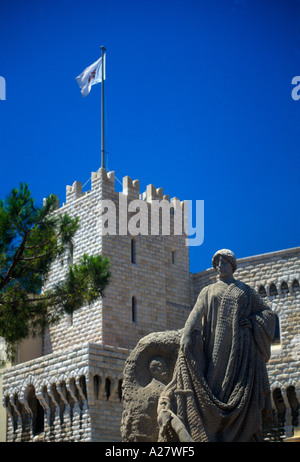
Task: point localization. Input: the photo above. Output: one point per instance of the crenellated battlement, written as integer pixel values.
(74, 192)
(155, 194)
(131, 187)
(105, 181)
(103, 175)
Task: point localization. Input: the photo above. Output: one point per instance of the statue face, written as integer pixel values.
(223, 267)
(159, 369)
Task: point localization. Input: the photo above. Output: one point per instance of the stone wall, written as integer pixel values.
(158, 279)
(69, 396)
(85, 324)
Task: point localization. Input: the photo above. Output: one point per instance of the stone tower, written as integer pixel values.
(150, 283)
(73, 391)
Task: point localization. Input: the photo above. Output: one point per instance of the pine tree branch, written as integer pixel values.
(50, 298)
(38, 246)
(15, 261)
(37, 257)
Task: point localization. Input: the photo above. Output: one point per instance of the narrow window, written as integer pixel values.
(82, 383)
(173, 257)
(133, 309)
(37, 411)
(262, 291)
(280, 406)
(107, 387)
(276, 338)
(294, 404)
(284, 288)
(273, 290)
(39, 419)
(295, 286)
(97, 382)
(133, 251)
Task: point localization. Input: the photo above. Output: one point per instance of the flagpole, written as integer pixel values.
(102, 112)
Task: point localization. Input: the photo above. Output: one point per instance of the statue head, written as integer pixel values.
(159, 369)
(224, 255)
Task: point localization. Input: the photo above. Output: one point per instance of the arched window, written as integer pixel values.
(294, 404)
(107, 387)
(82, 383)
(12, 410)
(37, 411)
(295, 286)
(276, 338)
(97, 383)
(133, 251)
(280, 406)
(262, 291)
(284, 288)
(133, 309)
(273, 290)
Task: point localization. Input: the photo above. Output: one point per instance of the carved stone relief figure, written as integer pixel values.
(147, 371)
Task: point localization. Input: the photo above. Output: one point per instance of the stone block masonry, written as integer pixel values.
(73, 391)
(155, 280)
(70, 396)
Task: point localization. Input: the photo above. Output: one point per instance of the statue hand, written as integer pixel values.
(163, 404)
(163, 419)
(185, 341)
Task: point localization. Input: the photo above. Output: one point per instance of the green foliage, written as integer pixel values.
(31, 239)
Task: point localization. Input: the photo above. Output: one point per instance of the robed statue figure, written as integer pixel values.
(220, 389)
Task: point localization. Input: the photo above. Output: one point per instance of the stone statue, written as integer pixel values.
(220, 389)
(207, 382)
(148, 369)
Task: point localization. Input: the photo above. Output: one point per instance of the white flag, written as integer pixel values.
(91, 75)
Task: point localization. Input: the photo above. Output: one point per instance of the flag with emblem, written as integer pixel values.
(91, 75)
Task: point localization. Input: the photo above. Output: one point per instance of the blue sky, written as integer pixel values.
(198, 101)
